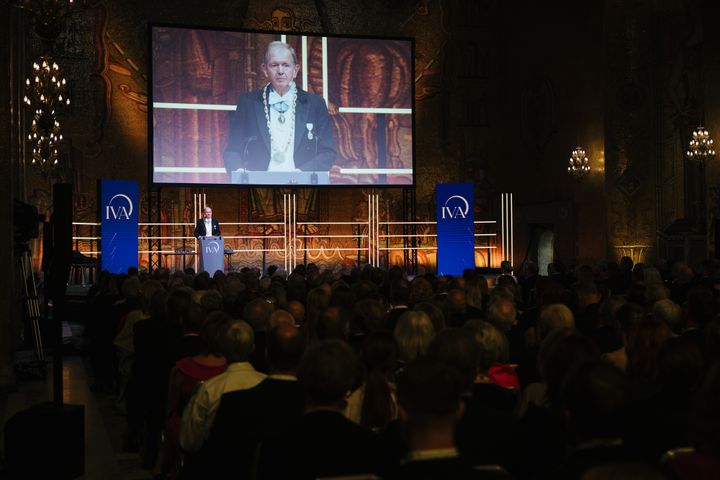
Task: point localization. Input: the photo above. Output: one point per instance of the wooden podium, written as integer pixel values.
(212, 250)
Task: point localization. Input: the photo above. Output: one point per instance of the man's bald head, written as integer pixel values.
(280, 317)
(297, 310)
(285, 347)
(502, 314)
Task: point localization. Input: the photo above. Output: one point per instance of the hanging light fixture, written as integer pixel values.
(45, 93)
(700, 148)
(579, 163)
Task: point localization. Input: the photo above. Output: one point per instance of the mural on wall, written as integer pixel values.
(630, 143)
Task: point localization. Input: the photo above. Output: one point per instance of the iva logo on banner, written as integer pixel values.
(120, 207)
(212, 247)
(456, 206)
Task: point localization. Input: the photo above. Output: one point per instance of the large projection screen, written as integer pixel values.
(213, 120)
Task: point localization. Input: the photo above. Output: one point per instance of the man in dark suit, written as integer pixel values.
(206, 226)
(280, 127)
(247, 417)
(323, 442)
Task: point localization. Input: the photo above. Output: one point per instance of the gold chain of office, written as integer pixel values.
(276, 154)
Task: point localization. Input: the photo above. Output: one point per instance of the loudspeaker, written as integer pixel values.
(46, 441)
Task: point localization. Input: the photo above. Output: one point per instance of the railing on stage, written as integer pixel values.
(371, 240)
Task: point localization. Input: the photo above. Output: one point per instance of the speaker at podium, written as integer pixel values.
(212, 249)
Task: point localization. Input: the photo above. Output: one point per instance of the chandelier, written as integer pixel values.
(45, 93)
(701, 146)
(579, 163)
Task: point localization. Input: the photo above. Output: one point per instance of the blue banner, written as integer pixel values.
(119, 214)
(455, 228)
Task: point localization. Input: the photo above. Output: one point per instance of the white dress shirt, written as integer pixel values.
(208, 227)
(199, 414)
(283, 134)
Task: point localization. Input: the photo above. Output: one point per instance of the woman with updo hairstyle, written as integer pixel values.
(186, 374)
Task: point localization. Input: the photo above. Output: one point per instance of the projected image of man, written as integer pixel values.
(281, 127)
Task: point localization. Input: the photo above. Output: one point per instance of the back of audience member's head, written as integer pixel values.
(655, 292)
(493, 345)
(506, 267)
(473, 295)
(502, 314)
(334, 322)
(421, 290)
(317, 300)
(285, 346)
(177, 303)
(256, 313)
(329, 371)
(554, 293)
(130, 288)
(158, 306)
(595, 398)
(429, 395)
(365, 289)
(457, 348)
(433, 311)
(211, 301)
(610, 308)
(413, 333)
(212, 333)
(297, 310)
(237, 341)
(680, 365)
(147, 290)
(560, 354)
(399, 293)
(379, 358)
(629, 317)
(626, 264)
(370, 315)
(668, 312)
(342, 295)
(587, 294)
(280, 317)
(193, 318)
(650, 336)
(652, 276)
(554, 317)
(455, 301)
(201, 281)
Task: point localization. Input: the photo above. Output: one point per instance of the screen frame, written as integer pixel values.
(150, 124)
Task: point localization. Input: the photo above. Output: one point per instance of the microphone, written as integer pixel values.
(245, 149)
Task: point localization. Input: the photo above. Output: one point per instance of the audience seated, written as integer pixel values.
(540, 374)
